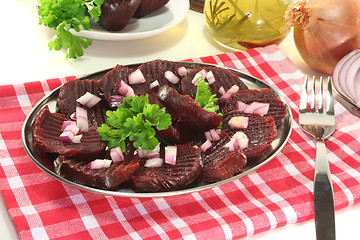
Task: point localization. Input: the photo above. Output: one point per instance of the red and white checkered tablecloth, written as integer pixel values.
(277, 194)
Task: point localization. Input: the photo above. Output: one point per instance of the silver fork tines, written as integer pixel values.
(320, 124)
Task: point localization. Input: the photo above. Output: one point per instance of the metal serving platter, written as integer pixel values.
(45, 161)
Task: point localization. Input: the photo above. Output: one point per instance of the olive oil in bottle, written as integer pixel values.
(242, 24)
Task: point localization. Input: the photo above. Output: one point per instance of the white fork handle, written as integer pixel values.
(323, 196)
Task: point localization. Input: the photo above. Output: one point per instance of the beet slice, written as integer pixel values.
(223, 78)
(116, 14)
(76, 88)
(187, 111)
(261, 132)
(104, 178)
(108, 85)
(148, 6)
(277, 109)
(170, 177)
(155, 70)
(220, 163)
(47, 130)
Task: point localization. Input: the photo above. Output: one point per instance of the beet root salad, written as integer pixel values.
(160, 127)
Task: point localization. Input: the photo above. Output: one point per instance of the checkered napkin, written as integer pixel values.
(277, 194)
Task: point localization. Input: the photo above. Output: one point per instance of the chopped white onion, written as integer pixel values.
(228, 93)
(88, 99)
(148, 153)
(65, 124)
(232, 144)
(116, 154)
(73, 116)
(170, 154)
(239, 122)
(240, 106)
(67, 136)
(77, 138)
(257, 108)
(72, 127)
(136, 77)
(199, 75)
(206, 145)
(99, 163)
(171, 77)
(215, 134)
(182, 71)
(210, 77)
(125, 90)
(116, 100)
(82, 119)
(154, 162)
(242, 139)
(154, 84)
(222, 90)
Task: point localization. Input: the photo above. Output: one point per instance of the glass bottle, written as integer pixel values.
(243, 24)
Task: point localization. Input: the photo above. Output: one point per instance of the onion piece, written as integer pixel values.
(325, 31)
(215, 134)
(154, 162)
(257, 108)
(73, 116)
(228, 93)
(136, 77)
(67, 136)
(88, 99)
(206, 145)
(240, 106)
(66, 123)
(116, 154)
(182, 71)
(239, 122)
(201, 75)
(116, 100)
(210, 77)
(125, 90)
(242, 139)
(346, 77)
(99, 163)
(171, 77)
(222, 90)
(170, 154)
(154, 84)
(82, 119)
(72, 127)
(77, 138)
(232, 144)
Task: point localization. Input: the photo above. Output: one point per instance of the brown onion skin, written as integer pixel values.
(326, 39)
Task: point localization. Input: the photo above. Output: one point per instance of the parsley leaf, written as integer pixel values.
(67, 15)
(204, 97)
(135, 120)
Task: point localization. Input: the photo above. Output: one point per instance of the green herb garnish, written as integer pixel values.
(135, 119)
(204, 97)
(64, 15)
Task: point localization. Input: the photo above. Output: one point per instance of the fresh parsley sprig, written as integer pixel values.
(204, 98)
(64, 15)
(135, 120)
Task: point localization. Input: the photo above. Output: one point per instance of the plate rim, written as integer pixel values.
(118, 193)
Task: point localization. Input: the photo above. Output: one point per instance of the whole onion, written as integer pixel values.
(325, 30)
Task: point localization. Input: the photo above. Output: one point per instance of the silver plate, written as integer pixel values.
(44, 161)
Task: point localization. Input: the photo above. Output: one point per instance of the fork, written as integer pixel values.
(320, 124)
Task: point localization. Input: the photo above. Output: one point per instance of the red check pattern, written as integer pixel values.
(277, 194)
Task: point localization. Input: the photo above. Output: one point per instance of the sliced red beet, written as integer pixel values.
(170, 177)
(116, 14)
(108, 85)
(104, 178)
(155, 70)
(261, 132)
(74, 89)
(277, 109)
(187, 111)
(47, 130)
(223, 78)
(148, 6)
(219, 162)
